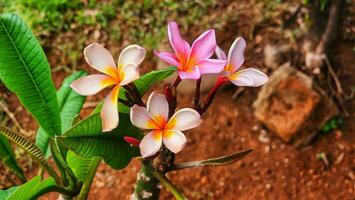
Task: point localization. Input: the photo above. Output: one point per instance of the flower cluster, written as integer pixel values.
(191, 62)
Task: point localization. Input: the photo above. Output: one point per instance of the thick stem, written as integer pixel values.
(147, 187)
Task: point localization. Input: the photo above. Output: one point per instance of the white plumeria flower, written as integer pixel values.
(247, 77)
(127, 71)
(163, 130)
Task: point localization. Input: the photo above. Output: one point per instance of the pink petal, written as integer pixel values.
(133, 54)
(174, 140)
(249, 77)
(158, 108)
(220, 53)
(211, 66)
(129, 73)
(99, 58)
(180, 46)
(168, 58)
(184, 119)
(204, 46)
(236, 53)
(193, 74)
(150, 143)
(109, 112)
(141, 118)
(92, 84)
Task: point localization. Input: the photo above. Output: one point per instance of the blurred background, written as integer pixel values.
(301, 123)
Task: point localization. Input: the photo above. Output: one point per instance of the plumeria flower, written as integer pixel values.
(114, 76)
(247, 77)
(163, 130)
(192, 61)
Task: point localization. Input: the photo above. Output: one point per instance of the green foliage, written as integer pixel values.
(87, 140)
(70, 104)
(333, 124)
(79, 165)
(31, 188)
(24, 69)
(5, 193)
(8, 157)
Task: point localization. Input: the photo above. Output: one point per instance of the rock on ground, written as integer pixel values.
(293, 106)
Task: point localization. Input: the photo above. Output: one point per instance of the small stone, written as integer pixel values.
(291, 105)
(263, 137)
(204, 180)
(258, 39)
(267, 149)
(255, 128)
(274, 56)
(268, 186)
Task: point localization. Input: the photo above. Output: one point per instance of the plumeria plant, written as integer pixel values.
(122, 126)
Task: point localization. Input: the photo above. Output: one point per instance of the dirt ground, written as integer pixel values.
(274, 170)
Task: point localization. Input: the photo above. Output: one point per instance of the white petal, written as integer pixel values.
(158, 108)
(109, 112)
(131, 54)
(129, 73)
(174, 140)
(141, 118)
(220, 53)
(249, 77)
(99, 58)
(92, 84)
(184, 119)
(150, 144)
(236, 53)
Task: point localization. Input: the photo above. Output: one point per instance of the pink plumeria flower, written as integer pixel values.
(247, 77)
(192, 61)
(114, 76)
(163, 130)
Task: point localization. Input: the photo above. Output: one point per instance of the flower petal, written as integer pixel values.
(158, 108)
(109, 112)
(174, 140)
(204, 46)
(180, 46)
(194, 73)
(99, 58)
(184, 119)
(236, 54)
(92, 84)
(141, 118)
(211, 66)
(150, 143)
(168, 58)
(220, 53)
(129, 73)
(249, 77)
(132, 54)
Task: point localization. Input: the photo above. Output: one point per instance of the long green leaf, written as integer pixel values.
(31, 188)
(70, 104)
(223, 160)
(24, 69)
(143, 84)
(87, 140)
(29, 147)
(8, 157)
(6, 193)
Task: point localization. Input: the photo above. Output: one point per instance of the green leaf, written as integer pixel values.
(29, 147)
(5, 193)
(70, 104)
(143, 84)
(31, 188)
(24, 69)
(223, 160)
(79, 165)
(8, 157)
(87, 140)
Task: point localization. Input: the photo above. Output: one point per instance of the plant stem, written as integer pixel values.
(197, 94)
(146, 184)
(170, 186)
(85, 189)
(210, 96)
